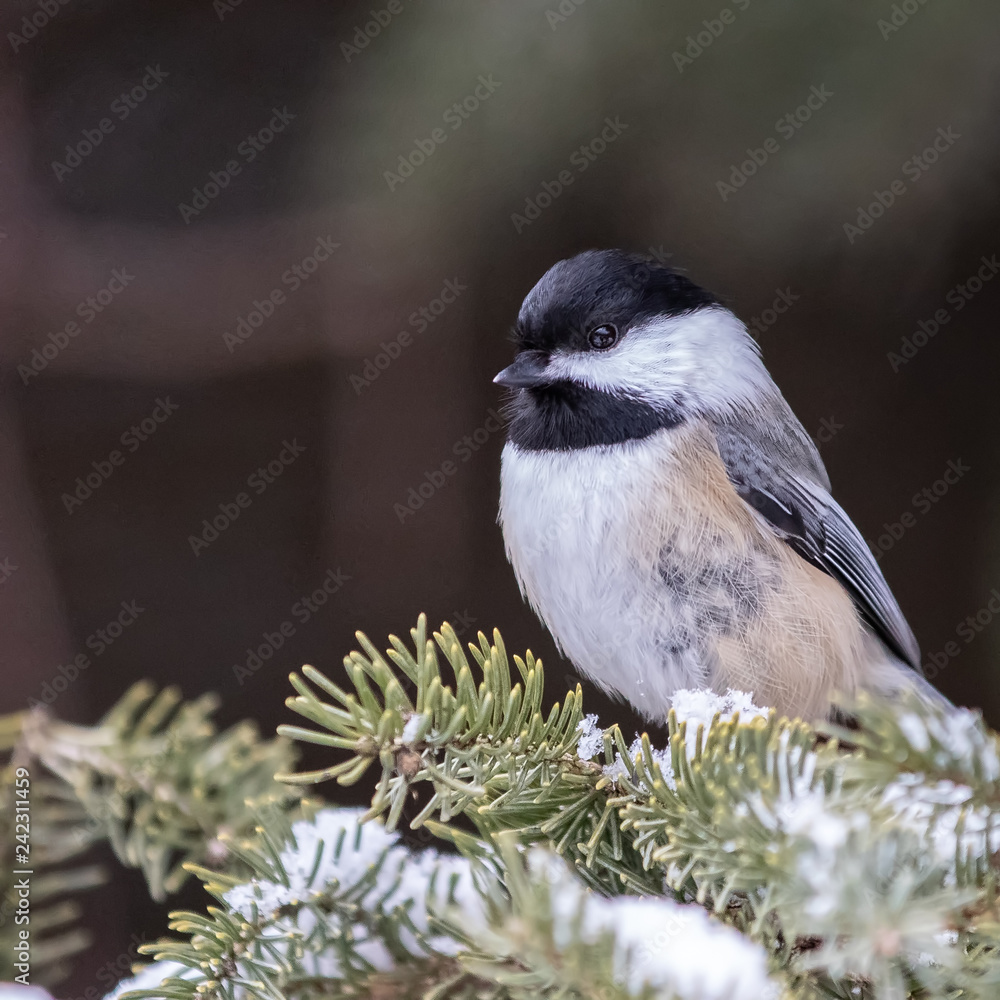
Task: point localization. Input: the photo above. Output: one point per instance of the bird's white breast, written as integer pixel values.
(652, 575)
(583, 539)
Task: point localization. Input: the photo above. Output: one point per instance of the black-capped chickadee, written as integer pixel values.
(666, 514)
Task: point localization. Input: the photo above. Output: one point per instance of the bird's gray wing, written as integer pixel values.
(786, 484)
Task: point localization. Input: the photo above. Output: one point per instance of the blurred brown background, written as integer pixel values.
(276, 125)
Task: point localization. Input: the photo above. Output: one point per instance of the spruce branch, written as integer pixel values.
(753, 854)
(42, 829)
(567, 941)
(344, 911)
(341, 910)
(862, 870)
(811, 847)
(487, 748)
(940, 770)
(158, 780)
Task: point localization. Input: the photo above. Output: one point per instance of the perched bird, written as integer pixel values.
(666, 514)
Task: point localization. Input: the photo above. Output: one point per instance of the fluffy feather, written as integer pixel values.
(666, 514)
(652, 575)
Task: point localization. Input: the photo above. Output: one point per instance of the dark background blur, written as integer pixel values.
(692, 100)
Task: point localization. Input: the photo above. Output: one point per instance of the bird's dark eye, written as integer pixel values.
(603, 337)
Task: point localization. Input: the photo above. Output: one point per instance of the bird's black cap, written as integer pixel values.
(598, 287)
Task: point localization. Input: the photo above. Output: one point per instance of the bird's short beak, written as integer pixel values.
(528, 370)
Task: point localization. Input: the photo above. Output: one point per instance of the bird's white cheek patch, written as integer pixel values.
(636, 368)
(706, 355)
